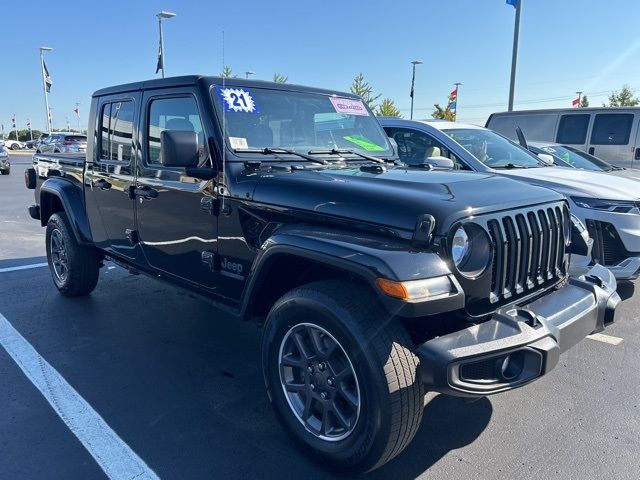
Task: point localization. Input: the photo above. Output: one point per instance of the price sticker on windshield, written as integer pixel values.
(237, 100)
(349, 106)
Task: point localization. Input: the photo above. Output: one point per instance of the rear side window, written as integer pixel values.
(612, 129)
(573, 129)
(180, 113)
(75, 138)
(116, 131)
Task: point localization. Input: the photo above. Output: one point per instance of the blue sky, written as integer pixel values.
(565, 45)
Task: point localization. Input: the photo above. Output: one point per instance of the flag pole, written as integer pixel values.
(30, 130)
(15, 126)
(78, 115)
(455, 115)
(514, 56)
(44, 87)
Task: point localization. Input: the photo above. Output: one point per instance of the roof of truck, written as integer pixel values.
(190, 80)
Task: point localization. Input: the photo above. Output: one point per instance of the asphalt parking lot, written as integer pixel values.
(179, 384)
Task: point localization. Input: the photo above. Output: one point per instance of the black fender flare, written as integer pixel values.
(365, 256)
(71, 197)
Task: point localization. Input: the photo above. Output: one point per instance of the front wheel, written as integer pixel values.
(74, 267)
(15, 146)
(341, 376)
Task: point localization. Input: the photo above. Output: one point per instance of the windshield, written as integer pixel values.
(264, 118)
(492, 149)
(576, 158)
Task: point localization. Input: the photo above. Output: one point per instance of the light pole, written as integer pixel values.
(413, 83)
(579, 99)
(514, 55)
(160, 16)
(248, 73)
(46, 85)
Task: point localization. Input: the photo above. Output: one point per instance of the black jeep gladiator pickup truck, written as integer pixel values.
(287, 205)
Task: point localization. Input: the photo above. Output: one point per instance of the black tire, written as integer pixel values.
(391, 396)
(15, 146)
(81, 264)
(5, 172)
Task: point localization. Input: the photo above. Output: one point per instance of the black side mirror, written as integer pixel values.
(179, 148)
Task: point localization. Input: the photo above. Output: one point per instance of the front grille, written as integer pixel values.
(608, 249)
(529, 250)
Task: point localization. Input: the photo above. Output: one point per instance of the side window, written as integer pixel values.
(415, 146)
(180, 113)
(116, 131)
(611, 129)
(573, 129)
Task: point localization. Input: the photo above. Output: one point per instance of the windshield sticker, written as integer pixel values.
(237, 100)
(349, 106)
(364, 143)
(238, 142)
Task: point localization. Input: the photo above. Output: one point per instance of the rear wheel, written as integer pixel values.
(341, 376)
(74, 267)
(5, 172)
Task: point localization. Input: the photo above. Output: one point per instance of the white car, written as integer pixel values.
(608, 205)
(13, 145)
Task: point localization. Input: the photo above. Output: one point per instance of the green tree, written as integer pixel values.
(227, 72)
(362, 88)
(278, 78)
(623, 98)
(443, 113)
(584, 102)
(387, 108)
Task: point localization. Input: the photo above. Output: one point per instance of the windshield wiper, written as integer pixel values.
(343, 151)
(275, 151)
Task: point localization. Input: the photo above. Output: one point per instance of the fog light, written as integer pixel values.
(416, 289)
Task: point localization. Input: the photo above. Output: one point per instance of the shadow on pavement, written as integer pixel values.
(448, 423)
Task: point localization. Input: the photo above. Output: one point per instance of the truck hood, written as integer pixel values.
(582, 183)
(398, 196)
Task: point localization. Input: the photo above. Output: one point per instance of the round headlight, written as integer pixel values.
(471, 250)
(460, 247)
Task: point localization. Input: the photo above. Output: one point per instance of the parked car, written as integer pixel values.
(609, 206)
(30, 144)
(5, 162)
(611, 134)
(566, 156)
(13, 145)
(63, 143)
(373, 281)
(37, 142)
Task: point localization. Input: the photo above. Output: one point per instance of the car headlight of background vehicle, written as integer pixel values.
(471, 250)
(616, 206)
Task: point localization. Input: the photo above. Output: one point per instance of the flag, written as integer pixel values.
(575, 102)
(77, 110)
(47, 78)
(513, 3)
(454, 94)
(13, 120)
(452, 105)
(160, 65)
(29, 124)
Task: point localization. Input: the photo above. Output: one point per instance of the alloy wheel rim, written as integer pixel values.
(59, 259)
(319, 382)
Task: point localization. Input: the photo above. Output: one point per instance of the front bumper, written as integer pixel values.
(519, 344)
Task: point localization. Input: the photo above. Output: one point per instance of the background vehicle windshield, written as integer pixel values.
(492, 149)
(259, 118)
(577, 159)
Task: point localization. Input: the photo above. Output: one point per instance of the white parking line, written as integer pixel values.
(601, 337)
(112, 454)
(23, 267)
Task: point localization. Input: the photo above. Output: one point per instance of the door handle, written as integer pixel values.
(102, 184)
(637, 154)
(591, 150)
(145, 192)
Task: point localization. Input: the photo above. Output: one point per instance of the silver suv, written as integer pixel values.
(63, 143)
